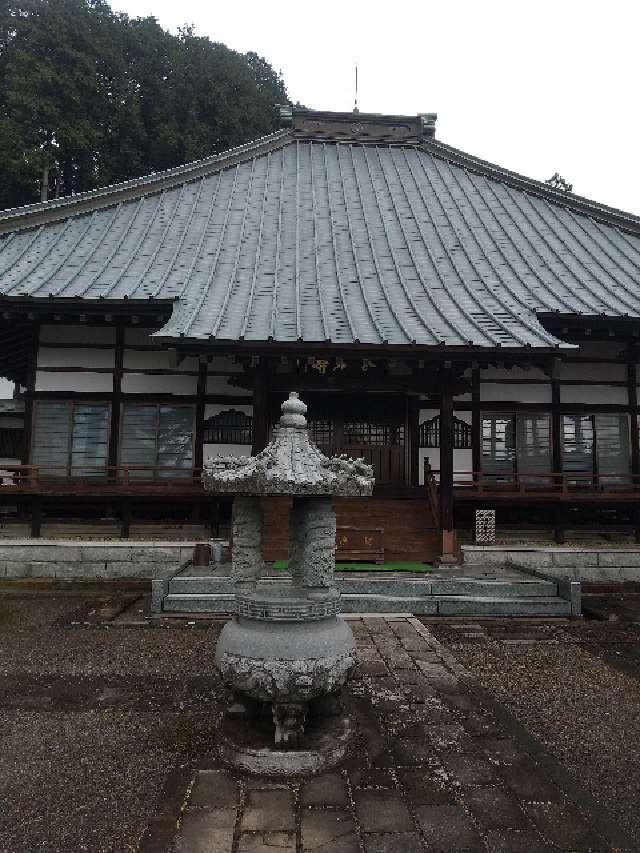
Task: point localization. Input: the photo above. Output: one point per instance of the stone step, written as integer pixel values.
(443, 605)
(395, 586)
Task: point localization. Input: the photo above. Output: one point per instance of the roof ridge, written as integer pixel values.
(604, 213)
(50, 211)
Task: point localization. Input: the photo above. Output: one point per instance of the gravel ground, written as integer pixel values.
(91, 721)
(571, 692)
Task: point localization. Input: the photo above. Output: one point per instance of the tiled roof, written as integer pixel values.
(303, 240)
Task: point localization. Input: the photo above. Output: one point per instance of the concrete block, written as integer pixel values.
(159, 589)
(387, 604)
(629, 573)
(157, 554)
(619, 559)
(96, 553)
(575, 559)
(571, 591)
(133, 569)
(78, 570)
(40, 553)
(542, 607)
(533, 558)
(497, 589)
(28, 569)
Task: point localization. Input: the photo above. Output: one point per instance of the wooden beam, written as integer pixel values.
(116, 400)
(556, 416)
(28, 403)
(413, 439)
(200, 404)
(446, 465)
(260, 409)
(632, 385)
(476, 422)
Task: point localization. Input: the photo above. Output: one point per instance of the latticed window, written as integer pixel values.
(373, 433)
(321, 431)
(229, 427)
(596, 445)
(157, 440)
(70, 438)
(11, 443)
(430, 433)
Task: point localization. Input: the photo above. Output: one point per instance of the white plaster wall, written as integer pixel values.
(515, 393)
(593, 372)
(139, 383)
(593, 394)
(6, 389)
(157, 360)
(220, 385)
(92, 382)
(139, 336)
(215, 408)
(514, 373)
(87, 335)
(462, 459)
(49, 356)
(225, 362)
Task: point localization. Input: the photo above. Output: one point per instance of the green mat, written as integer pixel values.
(389, 566)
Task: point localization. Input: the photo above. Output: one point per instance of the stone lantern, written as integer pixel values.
(286, 648)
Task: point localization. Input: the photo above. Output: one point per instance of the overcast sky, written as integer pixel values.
(537, 87)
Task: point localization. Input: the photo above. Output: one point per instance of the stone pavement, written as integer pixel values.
(438, 767)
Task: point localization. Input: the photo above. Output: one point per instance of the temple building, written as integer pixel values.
(470, 332)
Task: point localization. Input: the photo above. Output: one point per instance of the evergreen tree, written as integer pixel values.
(89, 97)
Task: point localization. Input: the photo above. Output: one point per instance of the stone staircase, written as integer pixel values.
(501, 592)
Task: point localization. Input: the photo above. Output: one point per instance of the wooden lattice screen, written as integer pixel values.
(430, 433)
(11, 443)
(229, 427)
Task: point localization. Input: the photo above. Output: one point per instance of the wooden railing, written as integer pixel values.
(562, 484)
(83, 478)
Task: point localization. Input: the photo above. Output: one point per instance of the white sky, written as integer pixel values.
(536, 87)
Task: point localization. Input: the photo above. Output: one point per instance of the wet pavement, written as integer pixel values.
(107, 725)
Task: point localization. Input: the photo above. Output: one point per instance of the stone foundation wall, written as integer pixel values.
(585, 564)
(49, 558)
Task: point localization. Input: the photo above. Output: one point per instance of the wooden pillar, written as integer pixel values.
(556, 418)
(634, 438)
(198, 450)
(260, 409)
(126, 519)
(116, 400)
(36, 517)
(476, 423)
(413, 439)
(446, 472)
(29, 398)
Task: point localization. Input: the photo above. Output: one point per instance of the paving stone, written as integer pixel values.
(393, 842)
(564, 826)
(424, 788)
(326, 790)
(515, 841)
(374, 668)
(213, 789)
(267, 842)
(411, 752)
(433, 670)
(382, 811)
(448, 829)
(495, 808)
(372, 779)
(399, 662)
(328, 832)
(479, 724)
(443, 736)
(499, 750)
(268, 810)
(529, 782)
(206, 832)
(467, 769)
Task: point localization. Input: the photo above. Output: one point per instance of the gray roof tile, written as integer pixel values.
(335, 242)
